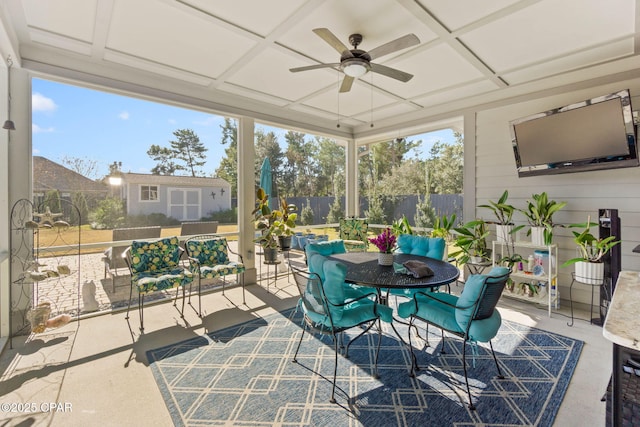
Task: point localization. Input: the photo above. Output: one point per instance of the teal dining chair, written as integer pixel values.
(432, 247)
(328, 311)
(332, 247)
(472, 316)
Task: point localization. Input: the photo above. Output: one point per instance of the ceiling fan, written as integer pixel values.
(356, 63)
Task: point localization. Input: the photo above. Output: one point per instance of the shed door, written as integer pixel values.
(184, 204)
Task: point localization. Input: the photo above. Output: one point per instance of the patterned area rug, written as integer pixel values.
(244, 375)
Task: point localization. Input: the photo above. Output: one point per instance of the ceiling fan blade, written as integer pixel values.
(346, 84)
(391, 72)
(394, 45)
(313, 67)
(328, 36)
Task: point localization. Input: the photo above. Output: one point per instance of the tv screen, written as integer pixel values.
(594, 134)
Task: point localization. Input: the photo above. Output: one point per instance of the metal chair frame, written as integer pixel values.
(195, 261)
(127, 257)
(483, 307)
(303, 279)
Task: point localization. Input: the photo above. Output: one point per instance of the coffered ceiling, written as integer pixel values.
(234, 56)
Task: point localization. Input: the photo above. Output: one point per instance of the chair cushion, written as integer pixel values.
(147, 282)
(471, 292)
(155, 256)
(432, 247)
(208, 252)
(326, 248)
(211, 272)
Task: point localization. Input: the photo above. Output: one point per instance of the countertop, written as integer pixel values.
(622, 325)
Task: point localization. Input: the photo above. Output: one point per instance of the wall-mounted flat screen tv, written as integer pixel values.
(598, 133)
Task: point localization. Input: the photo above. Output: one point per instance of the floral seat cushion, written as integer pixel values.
(155, 256)
(155, 265)
(211, 259)
(147, 282)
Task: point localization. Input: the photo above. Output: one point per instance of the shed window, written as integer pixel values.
(148, 192)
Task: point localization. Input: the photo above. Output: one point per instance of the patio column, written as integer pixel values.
(19, 185)
(246, 196)
(352, 207)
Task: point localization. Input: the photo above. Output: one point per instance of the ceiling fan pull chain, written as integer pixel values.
(371, 112)
(338, 125)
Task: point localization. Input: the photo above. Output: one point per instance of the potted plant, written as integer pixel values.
(504, 214)
(386, 243)
(442, 227)
(264, 219)
(284, 223)
(472, 242)
(539, 213)
(510, 261)
(589, 265)
(401, 226)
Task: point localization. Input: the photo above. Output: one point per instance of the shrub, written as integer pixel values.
(108, 214)
(306, 215)
(229, 216)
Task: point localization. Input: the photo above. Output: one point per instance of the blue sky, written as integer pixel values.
(102, 127)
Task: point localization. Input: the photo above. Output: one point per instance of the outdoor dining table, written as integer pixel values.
(363, 269)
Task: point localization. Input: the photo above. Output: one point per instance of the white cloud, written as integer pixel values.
(40, 103)
(37, 129)
(35, 152)
(209, 121)
(172, 121)
(124, 115)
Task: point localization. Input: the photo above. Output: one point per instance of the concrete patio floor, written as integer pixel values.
(96, 371)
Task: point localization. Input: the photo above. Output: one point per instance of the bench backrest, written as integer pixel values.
(133, 233)
(198, 227)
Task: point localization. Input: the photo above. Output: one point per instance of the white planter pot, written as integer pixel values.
(385, 259)
(503, 233)
(590, 273)
(537, 236)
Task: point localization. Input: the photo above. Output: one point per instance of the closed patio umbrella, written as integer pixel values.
(266, 179)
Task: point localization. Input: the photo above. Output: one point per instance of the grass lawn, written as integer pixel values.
(47, 237)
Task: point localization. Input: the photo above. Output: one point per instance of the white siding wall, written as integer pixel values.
(584, 192)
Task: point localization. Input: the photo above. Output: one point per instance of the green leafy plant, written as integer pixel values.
(284, 220)
(590, 248)
(401, 226)
(471, 241)
(539, 213)
(264, 221)
(501, 209)
(442, 227)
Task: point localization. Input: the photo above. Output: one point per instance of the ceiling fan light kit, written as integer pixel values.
(355, 67)
(355, 63)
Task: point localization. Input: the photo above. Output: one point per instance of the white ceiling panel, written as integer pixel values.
(433, 69)
(236, 54)
(235, 12)
(268, 72)
(593, 56)
(549, 29)
(186, 41)
(78, 25)
(459, 13)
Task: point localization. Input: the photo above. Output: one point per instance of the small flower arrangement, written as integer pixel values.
(385, 242)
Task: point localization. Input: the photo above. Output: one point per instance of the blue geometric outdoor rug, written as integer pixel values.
(244, 375)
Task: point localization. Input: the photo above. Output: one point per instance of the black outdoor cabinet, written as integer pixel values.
(609, 225)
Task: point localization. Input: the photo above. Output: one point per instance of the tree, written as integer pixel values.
(267, 146)
(331, 168)
(301, 170)
(84, 166)
(186, 153)
(447, 165)
(228, 169)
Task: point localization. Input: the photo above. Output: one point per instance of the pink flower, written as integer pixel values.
(385, 242)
